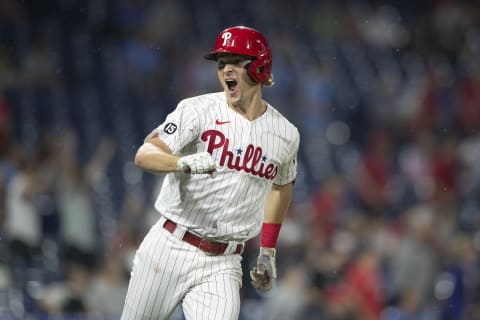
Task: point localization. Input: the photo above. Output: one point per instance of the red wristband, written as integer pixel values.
(270, 232)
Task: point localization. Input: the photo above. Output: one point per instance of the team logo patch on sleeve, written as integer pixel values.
(170, 128)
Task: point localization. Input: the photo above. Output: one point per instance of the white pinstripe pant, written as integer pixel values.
(168, 271)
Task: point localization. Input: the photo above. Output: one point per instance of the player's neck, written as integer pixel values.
(250, 109)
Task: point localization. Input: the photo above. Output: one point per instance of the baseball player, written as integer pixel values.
(230, 162)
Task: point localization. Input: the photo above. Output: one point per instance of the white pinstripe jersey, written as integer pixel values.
(250, 156)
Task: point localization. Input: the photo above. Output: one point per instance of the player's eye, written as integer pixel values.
(235, 62)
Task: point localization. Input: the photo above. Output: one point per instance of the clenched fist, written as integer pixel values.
(197, 163)
(263, 275)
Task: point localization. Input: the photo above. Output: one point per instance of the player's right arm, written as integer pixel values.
(155, 156)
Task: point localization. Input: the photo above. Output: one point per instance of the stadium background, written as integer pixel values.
(386, 94)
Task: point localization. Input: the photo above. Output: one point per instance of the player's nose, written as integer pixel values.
(227, 73)
(228, 68)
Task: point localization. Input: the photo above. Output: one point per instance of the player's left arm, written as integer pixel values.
(277, 203)
(276, 206)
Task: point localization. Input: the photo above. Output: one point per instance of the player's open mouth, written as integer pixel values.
(231, 84)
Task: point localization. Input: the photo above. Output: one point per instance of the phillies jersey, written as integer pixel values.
(250, 157)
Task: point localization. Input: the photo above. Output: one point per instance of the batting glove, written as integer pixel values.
(263, 275)
(197, 163)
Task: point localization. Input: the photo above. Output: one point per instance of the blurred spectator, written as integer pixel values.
(108, 288)
(47, 166)
(6, 281)
(469, 183)
(144, 63)
(329, 262)
(437, 108)
(131, 228)
(5, 143)
(38, 68)
(6, 122)
(376, 174)
(329, 205)
(364, 284)
(456, 285)
(23, 221)
(380, 26)
(445, 171)
(467, 114)
(78, 219)
(68, 297)
(289, 296)
(414, 263)
(414, 163)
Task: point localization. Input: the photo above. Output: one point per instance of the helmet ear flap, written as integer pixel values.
(256, 71)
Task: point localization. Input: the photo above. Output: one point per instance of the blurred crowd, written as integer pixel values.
(385, 220)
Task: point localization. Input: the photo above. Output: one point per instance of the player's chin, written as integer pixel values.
(232, 93)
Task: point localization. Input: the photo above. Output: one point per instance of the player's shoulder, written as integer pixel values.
(203, 101)
(277, 116)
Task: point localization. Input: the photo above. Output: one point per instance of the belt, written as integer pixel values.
(209, 247)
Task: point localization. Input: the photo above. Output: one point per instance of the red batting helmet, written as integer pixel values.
(248, 42)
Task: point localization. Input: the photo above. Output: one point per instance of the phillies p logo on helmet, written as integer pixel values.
(226, 36)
